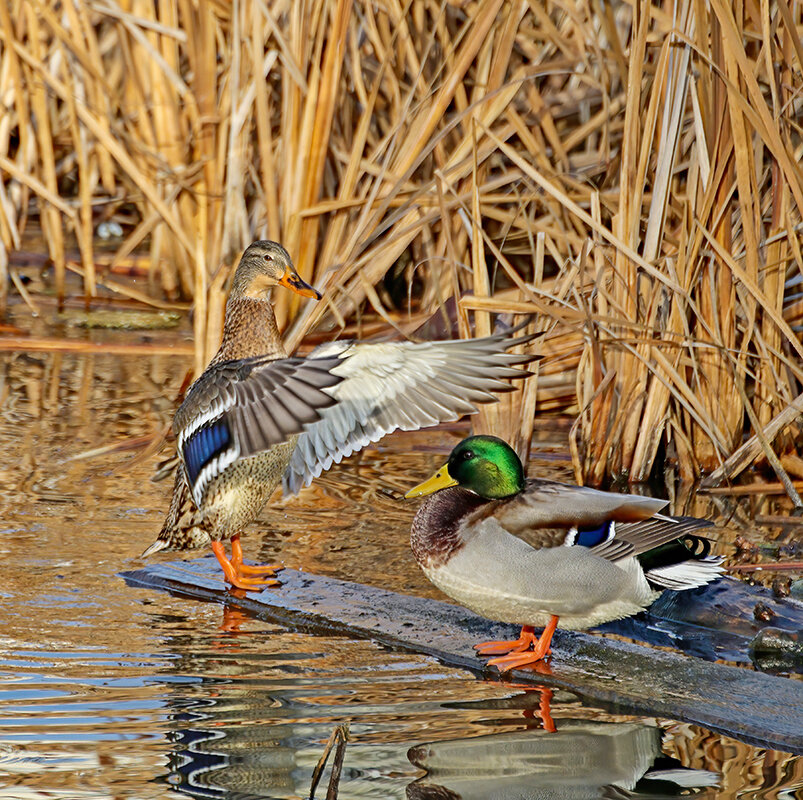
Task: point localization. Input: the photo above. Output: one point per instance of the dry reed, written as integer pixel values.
(629, 172)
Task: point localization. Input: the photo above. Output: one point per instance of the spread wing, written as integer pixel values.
(239, 408)
(389, 386)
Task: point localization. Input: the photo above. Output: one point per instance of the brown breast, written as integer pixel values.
(436, 531)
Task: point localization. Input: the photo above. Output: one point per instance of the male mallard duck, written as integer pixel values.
(584, 568)
(256, 418)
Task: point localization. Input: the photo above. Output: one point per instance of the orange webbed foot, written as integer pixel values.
(516, 660)
(525, 658)
(250, 584)
(241, 575)
(257, 570)
(266, 570)
(525, 640)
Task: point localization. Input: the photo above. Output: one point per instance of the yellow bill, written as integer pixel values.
(440, 480)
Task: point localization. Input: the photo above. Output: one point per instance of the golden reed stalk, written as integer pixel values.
(628, 172)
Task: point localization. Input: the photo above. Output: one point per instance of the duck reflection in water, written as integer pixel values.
(583, 759)
(244, 723)
(234, 616)
(253, 741)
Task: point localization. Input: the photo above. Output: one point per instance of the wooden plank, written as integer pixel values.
(764, 710)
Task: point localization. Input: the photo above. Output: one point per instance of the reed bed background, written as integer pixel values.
(627, 172)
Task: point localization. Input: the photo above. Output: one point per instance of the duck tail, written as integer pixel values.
(684, 563)
(158, 545)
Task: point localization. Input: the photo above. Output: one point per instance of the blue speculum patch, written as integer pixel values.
(204, 445)
(590, 537)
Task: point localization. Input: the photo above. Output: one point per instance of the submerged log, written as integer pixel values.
(758, 708)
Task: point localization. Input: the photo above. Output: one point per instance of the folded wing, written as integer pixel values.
(614, 527)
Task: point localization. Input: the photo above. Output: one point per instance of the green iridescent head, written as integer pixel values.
(486, 465)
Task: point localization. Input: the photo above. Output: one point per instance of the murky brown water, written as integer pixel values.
(111, 691)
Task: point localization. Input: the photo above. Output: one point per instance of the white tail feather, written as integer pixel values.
(688, 574)
(686, 777)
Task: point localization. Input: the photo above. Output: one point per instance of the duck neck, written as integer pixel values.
(249, 329)
(437, 532)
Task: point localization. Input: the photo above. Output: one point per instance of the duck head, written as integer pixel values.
(485, 465)
(266, 264)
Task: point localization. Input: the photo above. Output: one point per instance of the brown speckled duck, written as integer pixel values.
(257, 418)
(595, 557)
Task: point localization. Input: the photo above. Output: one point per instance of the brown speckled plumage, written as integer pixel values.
(249, 330)
(233, 500)
(237, 495)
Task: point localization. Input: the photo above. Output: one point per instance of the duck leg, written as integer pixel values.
(526, 638)
(233, 570)
(523, 659)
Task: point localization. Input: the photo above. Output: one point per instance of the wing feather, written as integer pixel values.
(549, 504)
(635, 538)
(261, 401)
(390, 386)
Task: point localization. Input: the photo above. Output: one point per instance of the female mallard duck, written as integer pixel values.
(584, 568)
(256, 418)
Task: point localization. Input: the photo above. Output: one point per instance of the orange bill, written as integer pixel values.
(293, 281)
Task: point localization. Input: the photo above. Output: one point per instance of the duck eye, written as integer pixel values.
(467, 454)
(268, 257)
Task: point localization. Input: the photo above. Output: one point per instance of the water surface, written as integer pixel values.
(112, 691)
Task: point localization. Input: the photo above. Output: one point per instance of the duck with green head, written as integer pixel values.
(257, 418)
(591, 556)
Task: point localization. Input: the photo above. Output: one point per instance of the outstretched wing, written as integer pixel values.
(239, 408)
(389, 386)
